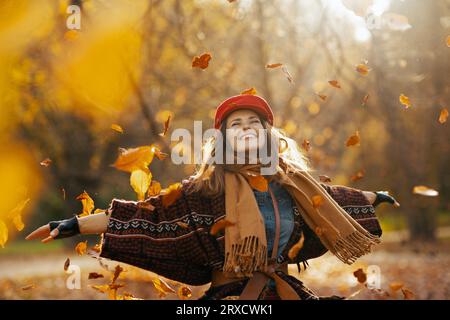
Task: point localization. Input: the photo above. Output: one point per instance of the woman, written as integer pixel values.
(265, 218)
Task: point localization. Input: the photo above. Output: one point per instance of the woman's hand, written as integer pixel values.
(377, 197)
(56, 230)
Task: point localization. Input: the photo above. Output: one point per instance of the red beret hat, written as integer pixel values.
(243, 101)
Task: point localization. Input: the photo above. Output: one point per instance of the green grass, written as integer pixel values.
(395, 222)
(24, 247)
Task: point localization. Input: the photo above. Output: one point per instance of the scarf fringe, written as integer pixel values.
(247, 256)
(355, 245)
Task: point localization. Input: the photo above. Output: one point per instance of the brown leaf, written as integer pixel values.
(353, 140)
(46, 162)
(184, 292)
(117, 271)
(317, 201)
(360, 275)
(146, 205)
(28, 287)
(251, 91)
(273, 66)
(324, 178)
(306, 145)
(201, 61)
(319, 231)
(358, 176)
(95, 275)
(166, 127)
(66, 264)
(259, 183)
(293, 252)
(219, 225)
(322, 97)
(335, 83)
(443, 116)
(171, 194)
(97, 248)
(408, 294)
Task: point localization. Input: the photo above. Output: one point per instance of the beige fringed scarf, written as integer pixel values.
(245, 241)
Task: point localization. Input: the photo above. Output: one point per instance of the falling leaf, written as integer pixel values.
(322, 97)
(448, 41)
(3, 233)
(66, 264)
(162, 286)
(16, 215)
(353, 140)
(317, 201)
(358, 176)
(425, 191)
(171, 194)
(408, 294)
(287, 74)
(273, 66)
(95, 275)
(306, 145)
(360, 275)
(81, 248)
(117, 271)
(365, 99)
(133, 159)
(160, 155)
(117, 128)
(87, 202)
(184, 292)
(28, 287)
(443, 116)
(251, 91)
(220, 225)
(293, 252)
(335, 84)
(154, 189)
(64, 193)
(140, 181)
(324, 178)
(46, 162)
(395, 286)
(363, 69)
(97, 248)
(259, 183)
(404, 100)
(183, 225)
(201, 61)
(166, 127)
(102, 288)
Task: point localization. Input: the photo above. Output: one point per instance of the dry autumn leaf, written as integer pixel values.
(425, 191)
(184, 292)
(251, 91)
(443, 116)
(166, 127)
(97, 248)
(160, 155)
(81, 248)
(3, 233)
(117, 128)
(220, 225)
(322, 97)
(201, 61)
(66, 264)
(335, 83)
(28, 287)
(273, 65)
(306, 145)
(133, 159)
(408, 294)
(154, 189)
(117, 271)
(293, 252)
(171, 194)
(363, 69)
(140, 181)
(16, 215)
(259, 183)
(324, 178)
(46, 162)
(95, 275)
(353, 140)
(317, 201)
(404, 100)
(395, 286)
(357, 176)
(87, 202)
(162, 287)
(360, 275)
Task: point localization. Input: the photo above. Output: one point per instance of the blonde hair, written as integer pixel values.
(209, 178)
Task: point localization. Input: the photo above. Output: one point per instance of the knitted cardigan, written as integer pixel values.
(175, 242)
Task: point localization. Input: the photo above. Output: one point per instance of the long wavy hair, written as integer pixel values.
(209, 177)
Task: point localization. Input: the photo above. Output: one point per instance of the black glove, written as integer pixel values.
(384, 196)
(67, 228)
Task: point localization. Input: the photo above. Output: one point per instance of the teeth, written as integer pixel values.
(248, 135)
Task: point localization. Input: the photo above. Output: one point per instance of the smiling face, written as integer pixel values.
(244, 126)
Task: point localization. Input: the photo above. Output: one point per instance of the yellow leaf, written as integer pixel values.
(363, 69)
(317, 201)
(140, 181)
(184, 292)
(219, 225)
(154, 189)
(353, 140)
(425, 191)
(96, 211)
(249, 91)
(133, 159)
(273, 65)
(259, 183)
(171, 194)
(160, 155)
(102, 288)
(16, 215)
(81, 248)
(162, 286)
(293, 252)
(117, 128)
(443, 116)
(3, 233)
(404, 100)
(87, 202)
(395, 286)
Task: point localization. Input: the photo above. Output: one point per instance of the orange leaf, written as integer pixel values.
(273, 66)
(425, 191)
(46, 162)
(358, 176)
(293, 252)
(160, 155)
(448, 41)
(117, 128)
(184, 292)
(251, 91)
(219, 225)
(133, 159)
(81, 248)
(201, 61)
(171, 194)
(162, 286)
(363, 69)
(443, 116)
(154, 189)
(87, 202)
(408, 294)
(306, 145)
(66, 264)
(259, 183)
(335, 84)
(317, 201)
(353, 140)
(360, 275)
(395, 286)
(322, 97)
(404, 100)
(166, 127)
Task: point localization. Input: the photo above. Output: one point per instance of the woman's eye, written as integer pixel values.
(235, 124)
